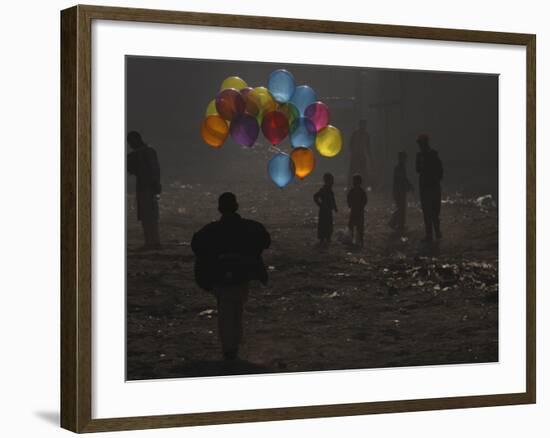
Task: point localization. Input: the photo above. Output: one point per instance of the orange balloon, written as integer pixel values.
(304, 161)
(214, 130)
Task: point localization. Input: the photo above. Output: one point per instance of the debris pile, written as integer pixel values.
(431, 275)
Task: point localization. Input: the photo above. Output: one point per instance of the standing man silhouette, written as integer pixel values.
(360, 155)
(143, 163)
(357, 201)
(430, 174)
(401, 186)
(324, 199)
(228, 256)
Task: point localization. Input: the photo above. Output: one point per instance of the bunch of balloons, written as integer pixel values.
(279, 110)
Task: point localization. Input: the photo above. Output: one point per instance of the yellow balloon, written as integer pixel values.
(233, 82)
(211, 108)
(263, 99)
(329, 141)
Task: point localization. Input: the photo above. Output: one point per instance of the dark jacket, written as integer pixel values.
(143, 163)
(229, 252)
(429, 168)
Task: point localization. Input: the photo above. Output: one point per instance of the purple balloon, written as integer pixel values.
(319, 114)
(244, 130)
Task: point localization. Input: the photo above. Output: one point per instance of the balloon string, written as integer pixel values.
(274, 148)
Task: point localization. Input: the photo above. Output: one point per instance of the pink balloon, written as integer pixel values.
(319, 114)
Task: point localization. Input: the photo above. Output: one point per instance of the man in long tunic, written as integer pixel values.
(430, 174)
(143, 163)
(401, 186)
(360, 155)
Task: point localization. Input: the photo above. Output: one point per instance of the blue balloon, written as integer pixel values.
(303, 96)
(302, 133)
(281, 85)
(281, 169)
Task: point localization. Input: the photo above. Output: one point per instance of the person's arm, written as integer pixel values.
(365, 199)
(131, 163)
(317, 198)
(201, 241)
(334, 202)
(196, 243)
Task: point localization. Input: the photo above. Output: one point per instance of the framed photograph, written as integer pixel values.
(268, 219)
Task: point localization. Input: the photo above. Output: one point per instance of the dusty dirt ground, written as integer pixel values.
(394, 303)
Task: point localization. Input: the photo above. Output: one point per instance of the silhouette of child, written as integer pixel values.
(324, 198)
(401, 185)
(357, 201)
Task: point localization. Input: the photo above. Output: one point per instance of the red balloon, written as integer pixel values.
(275, 126)
(230, 104)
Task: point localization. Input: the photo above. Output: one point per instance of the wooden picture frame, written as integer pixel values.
(76, 201)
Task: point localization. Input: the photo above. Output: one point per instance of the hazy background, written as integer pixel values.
(167, 99)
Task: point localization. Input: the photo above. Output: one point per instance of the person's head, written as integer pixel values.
(357, 180)
(362, 124)
(134, 140)
(402, 157)
(227, 203)
(328, 179)
(423, 142)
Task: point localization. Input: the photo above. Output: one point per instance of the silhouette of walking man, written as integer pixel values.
(143, 163)
(228, 256)
(360, 154)
(430, 174)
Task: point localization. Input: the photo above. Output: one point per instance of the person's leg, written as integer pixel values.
(149, 216)
(154, 234)
(404, 212)
(242, 292)
(393, 219)
(226, 324)
(400, 213)
(425, 201)
(320, 235)
(146, 237)
(330, 227)
(436, 207)
(230, 310)
(351, 227)
(361, 232)
(141, 201)
(151, 233)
